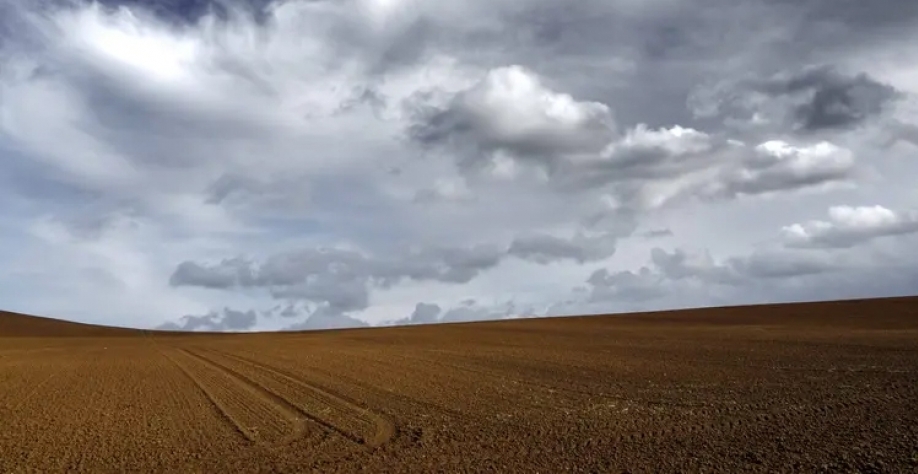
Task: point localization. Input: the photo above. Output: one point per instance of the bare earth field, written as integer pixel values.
(811, 387)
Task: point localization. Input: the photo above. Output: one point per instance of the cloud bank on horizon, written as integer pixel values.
(304, 164)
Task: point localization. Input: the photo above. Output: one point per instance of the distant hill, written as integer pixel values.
(24, 325)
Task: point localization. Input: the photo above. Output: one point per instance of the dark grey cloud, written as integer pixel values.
(861, 19)
(866, 281)
(468, 310)
(542, 248)
(754, 279)
(308, 272)
(337, 280)
(471, 310)
(445, 264)
(341, 280)
(184, 12)
(680, 265)
(680, 278)
(683, 164)
(228, 186)
(737, 271)
(226, 274)
(657, 233)
(424, 313)
(771, 265)
(367, 96)
(341, 294)
(627, 286)
(226, 320)
(326, 318)
(290, 311)
(810, 99)
(835, 101)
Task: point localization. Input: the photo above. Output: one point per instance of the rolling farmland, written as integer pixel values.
(805, 387)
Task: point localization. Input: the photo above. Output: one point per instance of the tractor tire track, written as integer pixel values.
(215, 402)
(353, 421)
(290, 413)
(255, 413)
(278, 397)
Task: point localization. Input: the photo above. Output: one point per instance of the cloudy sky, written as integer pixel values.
(249, 165)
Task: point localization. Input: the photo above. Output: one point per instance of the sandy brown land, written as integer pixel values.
(795, 388)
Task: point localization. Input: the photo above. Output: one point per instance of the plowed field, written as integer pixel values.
(789, 388)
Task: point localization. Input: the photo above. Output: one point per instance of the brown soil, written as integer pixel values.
(792, 388)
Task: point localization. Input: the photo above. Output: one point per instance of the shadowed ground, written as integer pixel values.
(805, 387)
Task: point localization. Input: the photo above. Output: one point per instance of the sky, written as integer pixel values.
(304, 164)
